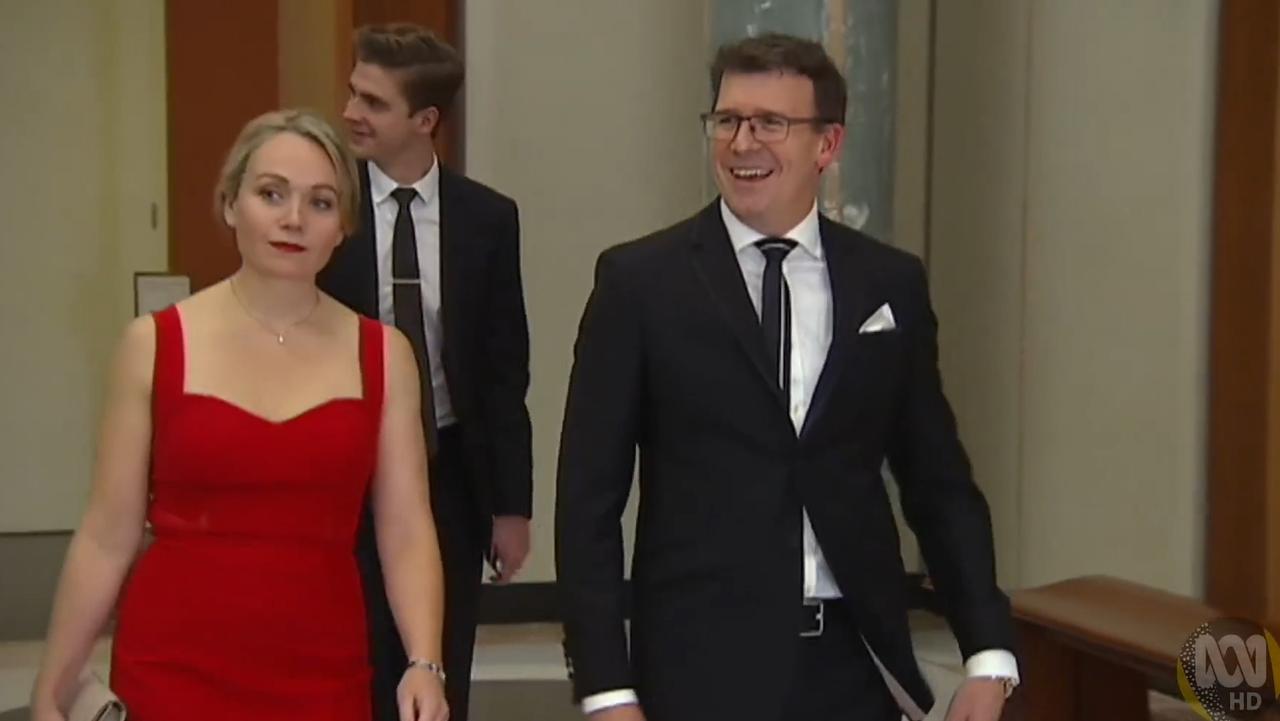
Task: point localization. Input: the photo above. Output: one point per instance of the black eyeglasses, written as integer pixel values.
(767, 128)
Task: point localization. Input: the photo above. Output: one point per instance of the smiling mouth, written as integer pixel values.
(287, 247)
(750, 174)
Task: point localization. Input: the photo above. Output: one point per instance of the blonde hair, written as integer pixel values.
(305, 124)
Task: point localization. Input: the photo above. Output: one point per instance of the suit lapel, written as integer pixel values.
(718, 267)
(851, 296)
(364, 250)
(453, 228)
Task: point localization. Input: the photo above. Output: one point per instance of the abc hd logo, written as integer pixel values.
(1230, 669)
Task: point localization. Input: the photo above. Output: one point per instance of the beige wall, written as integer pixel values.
(82, 161)
(975, 251)
(586, 113)
(911, 170)
(1068, 254)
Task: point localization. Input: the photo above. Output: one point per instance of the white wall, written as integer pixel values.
(82, 160)
(1069, 255)
(586, 112)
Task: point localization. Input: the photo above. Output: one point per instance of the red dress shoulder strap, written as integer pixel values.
(167, 382)
(372, 365)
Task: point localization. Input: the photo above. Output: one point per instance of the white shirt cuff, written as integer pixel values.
(994, 663)
(609, 699)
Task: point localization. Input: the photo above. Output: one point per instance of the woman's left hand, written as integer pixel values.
(421, 696)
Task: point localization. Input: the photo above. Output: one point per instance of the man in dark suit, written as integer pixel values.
(766, 360)
(438, 256)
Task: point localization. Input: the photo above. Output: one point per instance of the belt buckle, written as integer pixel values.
(820, 615)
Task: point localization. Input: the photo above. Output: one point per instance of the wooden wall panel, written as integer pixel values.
(221, 72)
(314, 55)
(1243, 539)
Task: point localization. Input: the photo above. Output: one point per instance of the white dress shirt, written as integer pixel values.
(425, 210)
(805, 269)
(810, 287)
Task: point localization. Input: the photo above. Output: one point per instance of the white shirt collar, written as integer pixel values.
(381, 184)
(806, 234)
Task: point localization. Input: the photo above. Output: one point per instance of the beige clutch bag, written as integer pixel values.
(94, 701)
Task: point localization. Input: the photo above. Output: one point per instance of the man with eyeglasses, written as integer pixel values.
(766, 361)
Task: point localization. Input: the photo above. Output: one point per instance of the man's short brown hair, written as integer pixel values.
(430, 70)
(775, 52)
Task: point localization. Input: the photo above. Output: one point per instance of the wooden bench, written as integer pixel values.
(1092, 647)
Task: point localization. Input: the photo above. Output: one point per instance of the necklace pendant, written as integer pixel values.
(280, 339)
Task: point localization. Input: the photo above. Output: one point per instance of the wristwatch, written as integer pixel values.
(1008, 683)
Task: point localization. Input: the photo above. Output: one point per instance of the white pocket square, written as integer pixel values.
(879, 322)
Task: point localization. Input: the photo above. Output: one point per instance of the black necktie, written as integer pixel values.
(406, 299)
(775, 311)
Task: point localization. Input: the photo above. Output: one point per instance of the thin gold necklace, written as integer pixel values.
(279, 334)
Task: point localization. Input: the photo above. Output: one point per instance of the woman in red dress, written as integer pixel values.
(247, 425)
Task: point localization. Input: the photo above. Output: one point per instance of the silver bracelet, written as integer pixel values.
(431, 666)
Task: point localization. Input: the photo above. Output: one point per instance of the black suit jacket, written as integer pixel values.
(486, 336)
(670, 357)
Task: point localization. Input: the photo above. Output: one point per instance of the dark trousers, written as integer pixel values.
(835, 678)
(464, 538)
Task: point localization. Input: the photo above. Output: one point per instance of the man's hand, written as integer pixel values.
(977, 699)
(625, 712)
(510, 546)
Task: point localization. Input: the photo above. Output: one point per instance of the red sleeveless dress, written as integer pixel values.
(248, 604)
